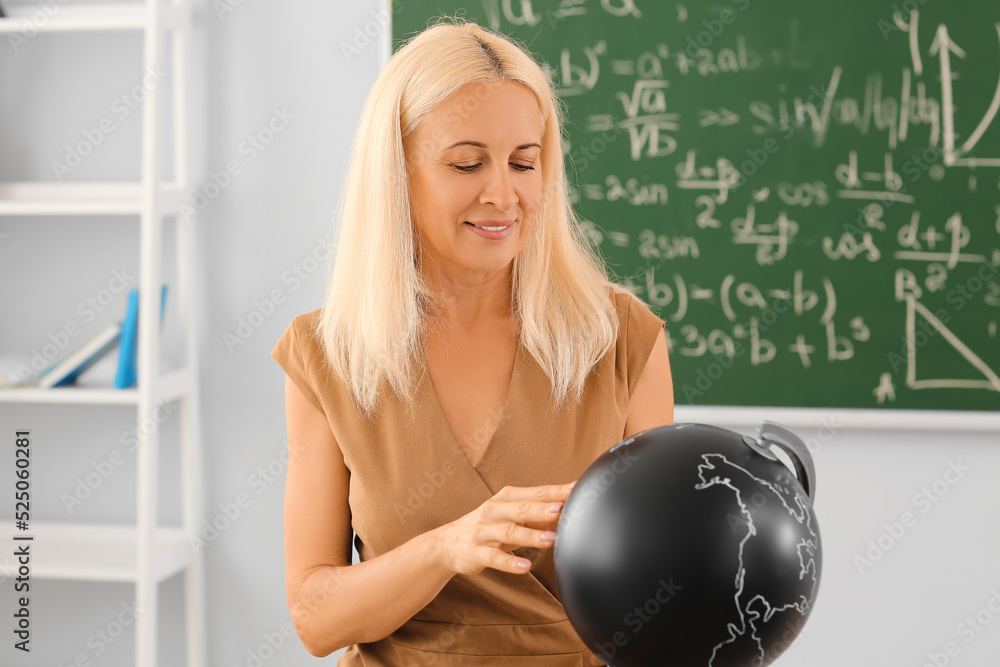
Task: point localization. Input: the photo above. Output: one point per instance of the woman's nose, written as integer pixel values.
(499, 189)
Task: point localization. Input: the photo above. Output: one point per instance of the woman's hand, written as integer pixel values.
(515, 517)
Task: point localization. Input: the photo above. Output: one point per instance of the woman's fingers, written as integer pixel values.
(515, 517)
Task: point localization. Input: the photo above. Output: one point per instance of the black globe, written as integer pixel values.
(691, 545)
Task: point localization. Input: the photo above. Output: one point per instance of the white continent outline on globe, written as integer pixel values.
(806, 549)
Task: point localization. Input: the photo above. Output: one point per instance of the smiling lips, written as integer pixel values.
(493, 230)
(492, 225)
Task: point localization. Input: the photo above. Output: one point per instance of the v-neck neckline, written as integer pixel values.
(504, 415)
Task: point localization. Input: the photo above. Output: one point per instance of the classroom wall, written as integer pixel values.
(262, 240)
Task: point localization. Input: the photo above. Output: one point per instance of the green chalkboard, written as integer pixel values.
(808, 193)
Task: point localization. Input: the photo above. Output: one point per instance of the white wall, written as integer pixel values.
(267, 226)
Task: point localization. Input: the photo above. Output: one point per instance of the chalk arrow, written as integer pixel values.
(942, 38)
(943, 47)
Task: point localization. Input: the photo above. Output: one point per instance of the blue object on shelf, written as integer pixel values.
(65, 372)
(128, 347)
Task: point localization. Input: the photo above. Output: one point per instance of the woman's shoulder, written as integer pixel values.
(638, 323)
(617, 294)
(625, 301)
(638, 329)
(302, 343)
(304, 329)
(299, 354)
(307, 321)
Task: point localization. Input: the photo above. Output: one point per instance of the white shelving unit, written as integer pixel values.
(145, 553)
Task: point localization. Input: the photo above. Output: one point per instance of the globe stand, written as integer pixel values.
(776, 434)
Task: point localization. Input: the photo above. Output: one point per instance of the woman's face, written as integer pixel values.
(476, 160)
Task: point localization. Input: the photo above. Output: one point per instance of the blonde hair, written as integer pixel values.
(372, 324)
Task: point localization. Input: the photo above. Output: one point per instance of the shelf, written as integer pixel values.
(99, 551)
(93, 198)
(95, 552)
(172, 385)
(28, 19)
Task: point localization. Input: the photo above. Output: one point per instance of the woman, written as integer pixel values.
(471, 360)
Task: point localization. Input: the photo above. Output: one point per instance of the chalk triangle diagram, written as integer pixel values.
(978, 369)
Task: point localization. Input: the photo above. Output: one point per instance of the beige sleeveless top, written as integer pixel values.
(409, 475)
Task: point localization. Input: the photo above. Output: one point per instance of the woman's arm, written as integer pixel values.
(652, 402)
(333, 603)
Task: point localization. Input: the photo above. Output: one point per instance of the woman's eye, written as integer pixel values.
(472, 167)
